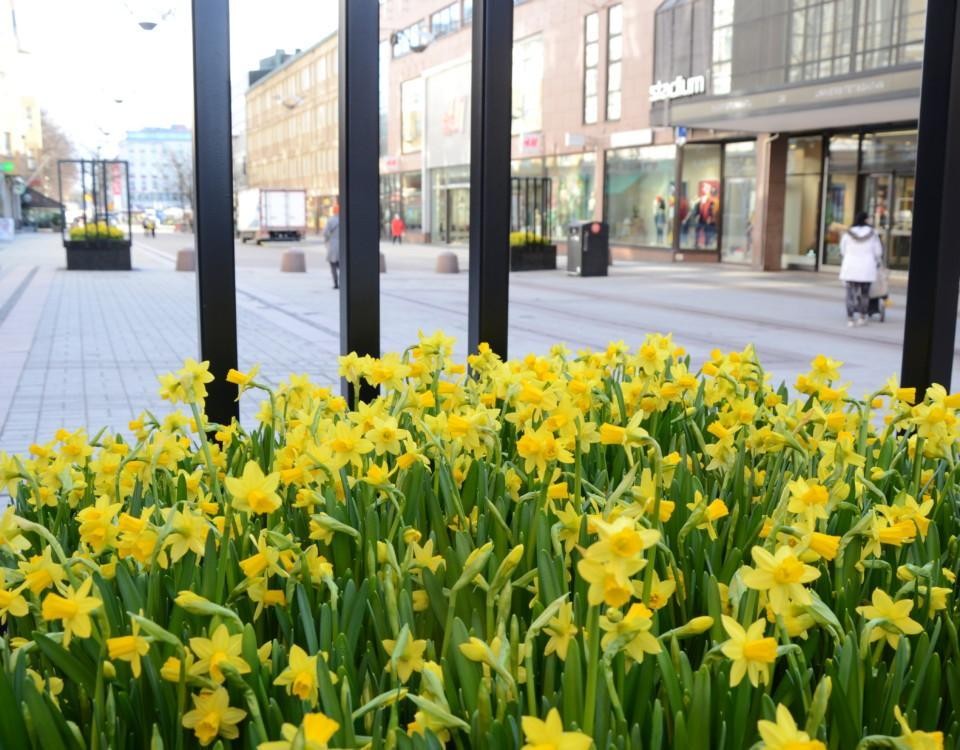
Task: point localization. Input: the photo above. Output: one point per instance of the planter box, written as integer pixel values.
(536, 257)
(98, 255)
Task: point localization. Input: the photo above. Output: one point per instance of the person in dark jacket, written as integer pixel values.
(331, 235)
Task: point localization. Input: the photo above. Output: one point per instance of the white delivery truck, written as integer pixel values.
(271, 214)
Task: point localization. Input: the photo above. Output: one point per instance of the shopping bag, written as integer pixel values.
(881, 286)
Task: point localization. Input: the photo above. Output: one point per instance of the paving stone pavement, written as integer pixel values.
(83, 349)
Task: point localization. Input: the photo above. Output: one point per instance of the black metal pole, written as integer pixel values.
(213, 203)
(931, 315)
(359, 182)
(490, 174)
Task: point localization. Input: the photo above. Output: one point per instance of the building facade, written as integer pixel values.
(733, 131)
(291, 128)
(796, 114)
(160, 167)
(20, 126)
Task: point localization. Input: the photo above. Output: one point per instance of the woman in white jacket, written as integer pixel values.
(862, 254)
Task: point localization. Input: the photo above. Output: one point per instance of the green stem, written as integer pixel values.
(593, 659)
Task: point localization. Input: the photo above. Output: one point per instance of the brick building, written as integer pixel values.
(732, 131)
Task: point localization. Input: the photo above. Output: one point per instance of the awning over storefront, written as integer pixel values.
(35, 199)
(883, 98)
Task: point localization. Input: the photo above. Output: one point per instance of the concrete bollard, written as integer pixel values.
(383, 264)
(293, 261)
(186, 259)
(448, 263)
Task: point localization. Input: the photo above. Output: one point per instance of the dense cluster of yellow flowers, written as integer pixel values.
(601, 548)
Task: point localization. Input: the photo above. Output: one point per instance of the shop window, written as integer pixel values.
(591, 66)
(412, 197)
(639, 195)
(802, 203)
(739, 202)
(700, 197)
(614, 61)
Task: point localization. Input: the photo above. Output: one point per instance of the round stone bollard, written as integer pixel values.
(186, 259)
(448, 263)
(293, 261)
(383, 263)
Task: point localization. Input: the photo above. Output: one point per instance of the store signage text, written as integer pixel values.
(677, 88)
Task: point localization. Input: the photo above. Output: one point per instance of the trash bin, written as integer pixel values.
(588, 248)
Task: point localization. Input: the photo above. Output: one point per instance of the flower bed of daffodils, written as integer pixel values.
(602, 548)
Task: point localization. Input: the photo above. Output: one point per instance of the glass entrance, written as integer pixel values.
(888, 200)
(453, 214)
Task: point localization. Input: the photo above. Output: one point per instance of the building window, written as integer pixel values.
(614, 61)
(446, 20)
(591, 67)
(722, 46)
(406, 39)
(821, 38)
(639, 199)
(467, 11)
(527, 89)
(411, 116)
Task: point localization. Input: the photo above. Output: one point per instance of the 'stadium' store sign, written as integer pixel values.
(677, 88)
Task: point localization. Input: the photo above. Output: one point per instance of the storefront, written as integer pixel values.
(571, 196)
(401, 194)
(831, 177)
(793, 117)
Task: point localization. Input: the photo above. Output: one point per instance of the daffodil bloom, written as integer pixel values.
(783, 734)
(12, 602)
(609, 581)
(914, 739)
(129, 648)
(548, 734)
(220, 650)
(72, 609)
(561, 630)
(782, 576)
(631, 630)
(212, 716)
(752, 654)
(266, 558)
(41, 572)
(808, 499)
(894, 618)
(316, 730)
(254, 491)
(260, 592)
(242, 379)
(620, 540)
(409, 660)
(300, 676)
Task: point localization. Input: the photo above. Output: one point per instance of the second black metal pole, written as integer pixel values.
(931, 315)
(213, 203)
(359, 182)
(490, 105)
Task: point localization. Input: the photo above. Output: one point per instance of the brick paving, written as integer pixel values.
(84, 348)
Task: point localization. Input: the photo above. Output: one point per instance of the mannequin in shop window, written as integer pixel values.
(703, 215)
(660, 218)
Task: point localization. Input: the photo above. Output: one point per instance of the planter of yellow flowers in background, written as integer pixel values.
(606, 549)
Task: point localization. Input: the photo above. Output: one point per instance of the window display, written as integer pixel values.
(640, 195)
(701, 178)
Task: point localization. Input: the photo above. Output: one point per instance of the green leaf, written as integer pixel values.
(73, 668)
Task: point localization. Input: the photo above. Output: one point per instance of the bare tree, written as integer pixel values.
(181, 166)
(56, 146)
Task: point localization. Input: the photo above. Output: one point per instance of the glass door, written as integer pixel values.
(458, 212)
(877, 197)
(901, 222)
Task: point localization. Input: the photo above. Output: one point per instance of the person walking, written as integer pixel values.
(331, 235)
(397, 228)
(862, 254)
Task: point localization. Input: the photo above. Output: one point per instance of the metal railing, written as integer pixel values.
(934, 259)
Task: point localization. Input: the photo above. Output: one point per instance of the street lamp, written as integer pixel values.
(418, 45)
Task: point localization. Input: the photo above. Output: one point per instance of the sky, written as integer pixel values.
(84, 55)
